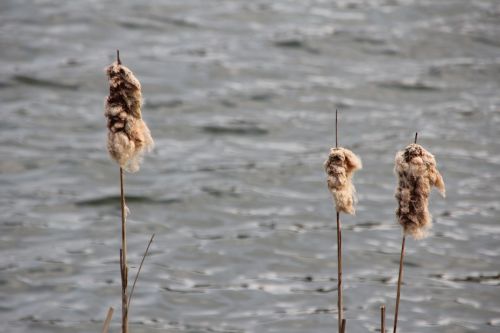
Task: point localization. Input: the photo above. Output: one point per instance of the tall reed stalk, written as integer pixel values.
(123, 257)
(400, 279)
(417, 173)
(340, 167)
(340, 305)
(339, 273)
(400, 274)
(128, 139)
(382, 319)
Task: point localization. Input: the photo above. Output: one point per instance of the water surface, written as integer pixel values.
(240, 97)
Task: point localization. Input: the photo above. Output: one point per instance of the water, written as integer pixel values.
(240, 96)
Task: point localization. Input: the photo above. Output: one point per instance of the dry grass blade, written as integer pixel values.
(105, 327)
(382, 319)
(139, 271)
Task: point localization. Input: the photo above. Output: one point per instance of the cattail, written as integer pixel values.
(128, 137)
(340, 167)
(417, 173)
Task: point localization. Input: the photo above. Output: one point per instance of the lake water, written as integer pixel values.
(240, 97)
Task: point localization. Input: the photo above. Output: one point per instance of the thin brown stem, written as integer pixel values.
(121, 265)
(341, 322)
(339, 273)
(342, 327)
(123, 258)
(382, 319)
(336, 128)
(118, 57)
(416, 136)
(400, 279)
(105, 327)
(139, 270)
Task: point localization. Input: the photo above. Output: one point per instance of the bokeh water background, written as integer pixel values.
(240, 97)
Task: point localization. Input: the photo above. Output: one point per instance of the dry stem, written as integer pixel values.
(400, 279)
(339, 272)
(339, 249)
(139, 270)
(107, 321)
(400, 275)
(123, 258)
(382, 319)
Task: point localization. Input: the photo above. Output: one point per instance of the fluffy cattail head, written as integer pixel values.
(340, 166)
(417, 173)
(128, 137)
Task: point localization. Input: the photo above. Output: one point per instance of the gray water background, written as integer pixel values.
(240, 97)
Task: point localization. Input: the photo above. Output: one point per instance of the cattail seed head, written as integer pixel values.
(128, 137)
(340, 167)
(417, 173)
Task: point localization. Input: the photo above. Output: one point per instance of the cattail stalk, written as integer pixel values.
(128, 139)
(417, 172)
(400, 274)
(123, 257)
(382, 319)
(340, 167)
(123, 249)
(340, 303)
(400, 278)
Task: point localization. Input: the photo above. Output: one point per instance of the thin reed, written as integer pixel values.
(139, 270)
(400, 279)
(343, 325)
(123, 256)
(340, 305)
(417, 173)
(128, 139)
(340, 167)
(382, 319)
(107, 321)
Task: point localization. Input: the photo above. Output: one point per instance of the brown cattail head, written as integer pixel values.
(340, 167)
(417, 173)
(128, 137)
